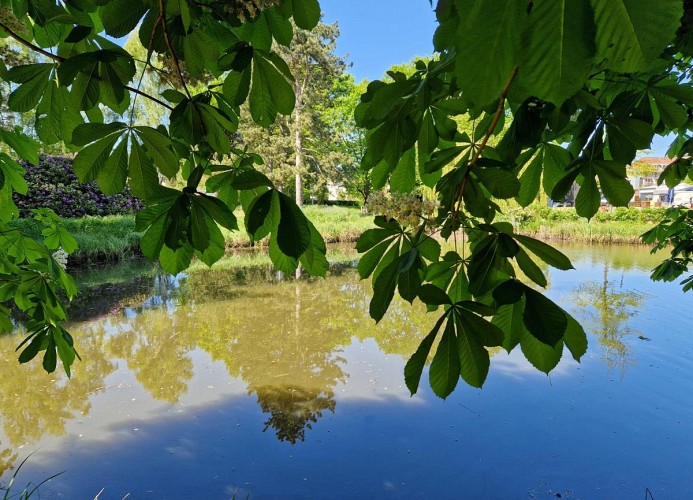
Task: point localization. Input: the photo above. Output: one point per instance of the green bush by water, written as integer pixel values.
(100, 239)
(335, 224)
(620, 225)
(114, 237)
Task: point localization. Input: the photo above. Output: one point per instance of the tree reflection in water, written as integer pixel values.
(281, 337)
(606, 309)
(293, 409)
(34, 404)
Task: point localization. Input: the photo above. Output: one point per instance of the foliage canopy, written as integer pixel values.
(586, 82)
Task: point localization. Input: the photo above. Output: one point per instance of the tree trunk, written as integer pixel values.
(299, 159)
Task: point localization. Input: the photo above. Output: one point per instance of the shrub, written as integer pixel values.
(53, 184)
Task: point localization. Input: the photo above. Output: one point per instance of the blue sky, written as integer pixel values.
(375, 34)
(379, 33)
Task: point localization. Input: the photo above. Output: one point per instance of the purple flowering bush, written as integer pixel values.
(53, 184)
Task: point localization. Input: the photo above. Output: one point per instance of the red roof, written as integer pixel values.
(655, 160)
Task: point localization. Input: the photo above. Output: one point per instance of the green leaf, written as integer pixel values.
(575, 338)
(530, 181)
(474, 359)
(270, 92)
(588, 198)
(556, 159)
(626, 136)
(112, 177)
(488, 31)
(218, 211)
(175, 261)
(56, 117)
(380, 174)
(314, 259)
(157, 146)
(92, 159)
(388, 141)
(263, 215)
(631, 34)
(501, 183)
(86, 90)
(250, 179)
(432, 295)
(184, 14)
(544, 320)
(50, 358)
(86, 133)
(281, 261)
(293, 233)
(543, 357)
(173, 96)
(429, 248)
(671, 113)
(508, 292)
(306, 13)
(199, 232)
(372, 237)
(509, 319)
(34, 79)
(25, 147)
(120, 17)
(445, 367)
(482, 269)
(409, 280)
(545, 252)
(144, 181)
(612, 179)
(442, 158)
(186, 123)
(201, 51)
(414, 367)
(383, 290)
(214, 129)
(66, 352)
(257, 32)
(484, 331)
(237, 85)
(403, 179)
(426, 144)
(559, 49)
(368, 262)
(33, 348)
(281, 28)
(13, 175)
(530, 269)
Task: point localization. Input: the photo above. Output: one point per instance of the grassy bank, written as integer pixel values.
(620, 225)
(100, 239)
(335, 224)
(114, 237)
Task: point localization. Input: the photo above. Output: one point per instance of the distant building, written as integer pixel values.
(649, 194)
(335, 191)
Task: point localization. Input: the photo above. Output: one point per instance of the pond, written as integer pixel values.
(248, 384)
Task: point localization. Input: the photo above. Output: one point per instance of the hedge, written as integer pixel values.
(53, 184)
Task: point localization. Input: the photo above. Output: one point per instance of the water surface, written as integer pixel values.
(246, 382)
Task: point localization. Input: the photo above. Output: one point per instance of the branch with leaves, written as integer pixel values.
(583, 85)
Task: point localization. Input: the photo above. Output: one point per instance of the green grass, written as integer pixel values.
(100, 239)
(243, 258)
(28, 491)
(113, 238)
(620, 225)
(586, 232)
(335, 224)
